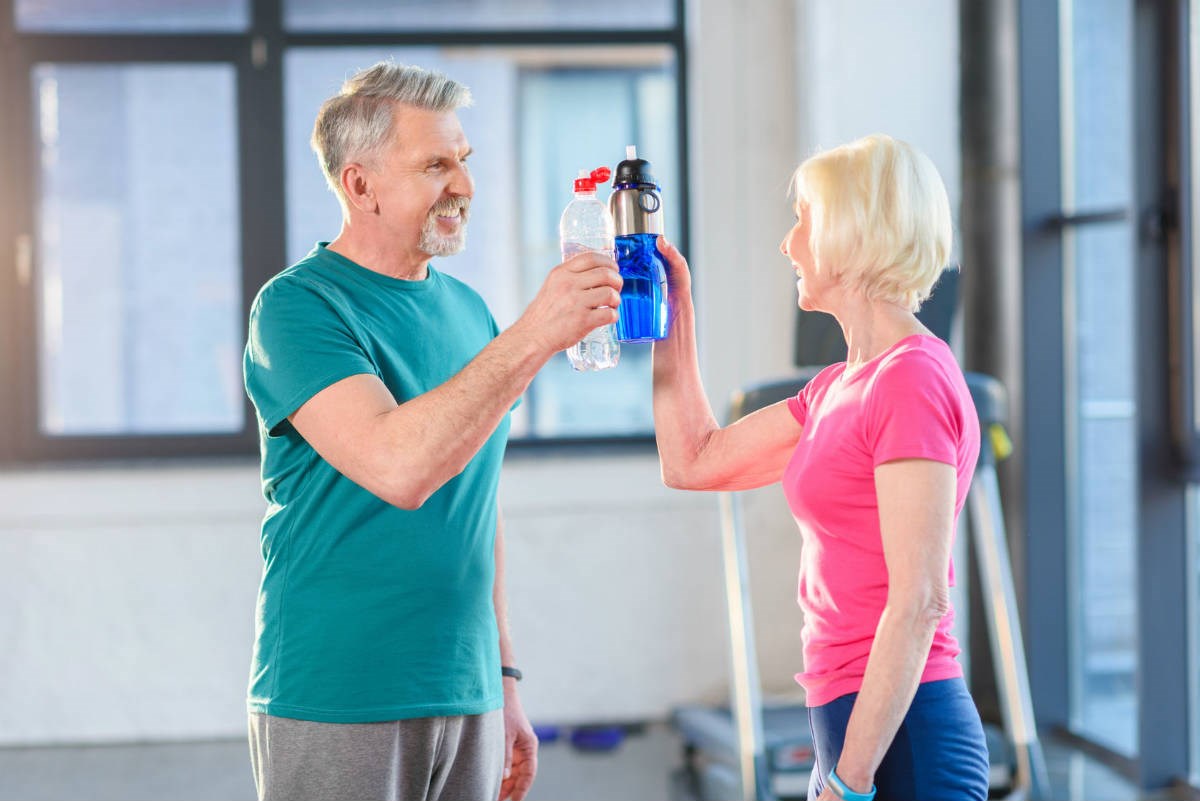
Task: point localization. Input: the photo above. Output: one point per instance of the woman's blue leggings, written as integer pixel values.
(939, 751)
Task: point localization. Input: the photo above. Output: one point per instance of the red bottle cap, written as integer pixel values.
(600, 175)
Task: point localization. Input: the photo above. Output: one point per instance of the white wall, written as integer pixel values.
(870, 66)
(127, 591)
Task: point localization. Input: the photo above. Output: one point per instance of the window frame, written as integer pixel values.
(1159, 85)
(257, 55)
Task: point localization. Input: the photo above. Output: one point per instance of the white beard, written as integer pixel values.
(437, 244)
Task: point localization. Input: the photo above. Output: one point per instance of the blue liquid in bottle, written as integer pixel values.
(643, 312)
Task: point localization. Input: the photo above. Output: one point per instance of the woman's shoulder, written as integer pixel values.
(919, 361)
(919, 352)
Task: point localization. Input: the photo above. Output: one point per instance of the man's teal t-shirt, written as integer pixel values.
(368, 612)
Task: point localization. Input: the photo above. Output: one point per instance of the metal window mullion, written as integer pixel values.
(1044, 458)
(1163, 668)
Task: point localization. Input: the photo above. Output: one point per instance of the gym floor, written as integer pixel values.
(640, 769)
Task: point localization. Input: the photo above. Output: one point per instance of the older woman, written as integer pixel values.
(875, 455)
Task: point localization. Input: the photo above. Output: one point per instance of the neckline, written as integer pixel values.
(846, 377)
(321, 251)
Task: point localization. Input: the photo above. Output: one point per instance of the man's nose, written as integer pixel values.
(462, 184)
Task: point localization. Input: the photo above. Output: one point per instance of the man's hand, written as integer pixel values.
(520, 747)
(578, 296)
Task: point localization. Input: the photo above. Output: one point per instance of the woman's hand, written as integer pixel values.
(679, 279)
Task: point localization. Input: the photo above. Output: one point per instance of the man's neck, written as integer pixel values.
(379, 257)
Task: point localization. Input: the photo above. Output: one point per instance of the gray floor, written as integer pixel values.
(639, 770)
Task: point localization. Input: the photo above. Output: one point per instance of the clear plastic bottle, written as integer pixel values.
(587, 225)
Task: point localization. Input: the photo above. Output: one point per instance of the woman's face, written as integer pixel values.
(796, 247)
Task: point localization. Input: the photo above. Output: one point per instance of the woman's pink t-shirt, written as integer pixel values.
(910, 402)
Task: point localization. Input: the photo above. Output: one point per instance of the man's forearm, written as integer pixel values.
(500, 596)
(431, 438)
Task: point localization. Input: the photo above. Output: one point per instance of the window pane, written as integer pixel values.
(1098, 147)
(316, 15)
(139, 271)
(539, 117)
(132, 16)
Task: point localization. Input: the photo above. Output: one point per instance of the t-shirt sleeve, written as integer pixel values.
(800, 403)
(913, 411)
(297, 345)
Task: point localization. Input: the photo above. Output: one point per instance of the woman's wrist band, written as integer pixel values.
(510, 672)
(842, 791)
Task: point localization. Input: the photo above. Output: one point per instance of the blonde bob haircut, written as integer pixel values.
(880, 218)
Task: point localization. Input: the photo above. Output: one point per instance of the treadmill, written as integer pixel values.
(755, 751)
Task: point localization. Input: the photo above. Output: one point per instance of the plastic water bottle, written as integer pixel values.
(587, 225)
(636, 205)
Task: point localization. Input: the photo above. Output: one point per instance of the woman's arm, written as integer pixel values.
(916, 517)
(696, 453)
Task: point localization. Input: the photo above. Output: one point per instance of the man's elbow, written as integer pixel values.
(408, 492)
(405, 494)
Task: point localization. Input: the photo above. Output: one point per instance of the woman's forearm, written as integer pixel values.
(898, 655)
(683, 418)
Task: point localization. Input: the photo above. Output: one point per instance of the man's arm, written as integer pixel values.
(403, 453)
(520, 742)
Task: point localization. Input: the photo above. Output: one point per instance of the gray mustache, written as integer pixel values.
(452, 204)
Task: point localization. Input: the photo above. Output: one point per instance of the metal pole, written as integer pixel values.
(990, 225)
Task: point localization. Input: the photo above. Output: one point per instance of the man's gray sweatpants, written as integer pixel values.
(423, 759)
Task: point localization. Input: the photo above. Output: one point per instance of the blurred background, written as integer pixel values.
(155, 171)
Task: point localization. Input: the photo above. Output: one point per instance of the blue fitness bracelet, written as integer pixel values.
(845, 792)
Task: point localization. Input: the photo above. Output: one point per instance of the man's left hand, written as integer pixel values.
(520, 747)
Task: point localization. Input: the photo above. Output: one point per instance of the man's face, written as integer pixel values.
(423, 186)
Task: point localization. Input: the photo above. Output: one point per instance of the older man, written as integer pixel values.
(382, 665)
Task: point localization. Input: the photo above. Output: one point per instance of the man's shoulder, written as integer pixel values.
(307, 278)
(462, 291)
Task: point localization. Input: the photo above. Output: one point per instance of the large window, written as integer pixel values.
(138, 299)
(1109, 229)
(166, 174)
(1098, 270)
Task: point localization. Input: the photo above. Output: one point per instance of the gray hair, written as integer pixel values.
(355, 123)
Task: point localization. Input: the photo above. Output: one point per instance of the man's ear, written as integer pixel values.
(358, 187)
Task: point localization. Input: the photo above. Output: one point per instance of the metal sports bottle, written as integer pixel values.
(636, 205)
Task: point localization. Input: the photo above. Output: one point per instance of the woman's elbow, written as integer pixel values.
(678, 479)
(926, 607)
(674, 478)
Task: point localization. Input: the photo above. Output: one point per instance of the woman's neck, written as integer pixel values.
(871, 327)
